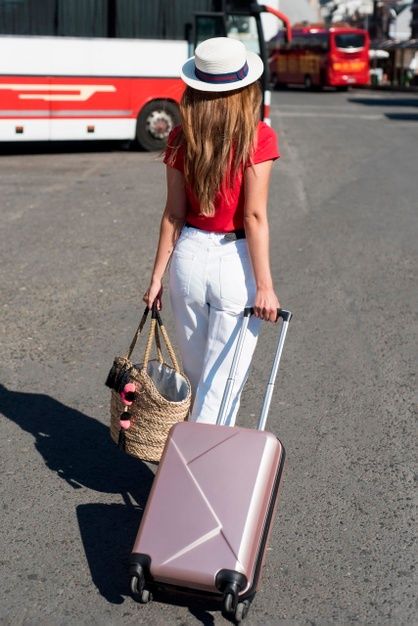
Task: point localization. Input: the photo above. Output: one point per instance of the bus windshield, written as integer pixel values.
(349, 40)
(241, 27)
(244, 28)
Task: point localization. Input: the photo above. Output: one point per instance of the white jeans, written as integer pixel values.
(211, 281)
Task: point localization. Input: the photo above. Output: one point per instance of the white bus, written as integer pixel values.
(107, 69)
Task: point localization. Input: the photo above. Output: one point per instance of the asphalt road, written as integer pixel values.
(78, 231)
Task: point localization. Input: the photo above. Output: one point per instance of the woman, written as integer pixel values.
(214, 227)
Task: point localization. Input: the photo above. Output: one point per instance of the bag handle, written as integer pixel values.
(151, 337)
(167, 341)
(156, 325)
(137, 333)
(158, 344)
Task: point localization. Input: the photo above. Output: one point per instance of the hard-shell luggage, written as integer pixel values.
(207, 520)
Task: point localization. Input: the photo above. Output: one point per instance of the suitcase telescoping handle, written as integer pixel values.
(286, 316)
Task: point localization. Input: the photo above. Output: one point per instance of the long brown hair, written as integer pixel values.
(218, 134)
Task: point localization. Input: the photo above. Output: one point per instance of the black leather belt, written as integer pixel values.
(230, 235)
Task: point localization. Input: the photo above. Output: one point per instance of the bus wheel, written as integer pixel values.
(155, 121)
(307, 81)
(276, 84)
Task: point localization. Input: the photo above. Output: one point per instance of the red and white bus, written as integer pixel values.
(107, 69)
(318, 56)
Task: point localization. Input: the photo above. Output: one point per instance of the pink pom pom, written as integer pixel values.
(128, 394)
(125, 424)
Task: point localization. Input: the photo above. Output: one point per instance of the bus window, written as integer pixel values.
(349, 40)
(156, 19)
(209, 25)
(318, 42)
(134, 21)
(148, 19)
(50, 18)
(81, 19)
(323, 41)
(298, 41)
(244, 28)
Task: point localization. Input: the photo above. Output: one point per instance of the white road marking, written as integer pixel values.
(353, 116)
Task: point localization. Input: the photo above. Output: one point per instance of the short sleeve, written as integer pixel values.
(173, 155)
(267, 145)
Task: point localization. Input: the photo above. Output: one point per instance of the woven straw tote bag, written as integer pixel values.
(148, 398)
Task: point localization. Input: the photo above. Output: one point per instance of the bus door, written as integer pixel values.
(241, 25)
(208, 25)
(247, 28)
(244, 26)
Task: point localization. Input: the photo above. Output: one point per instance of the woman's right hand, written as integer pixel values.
(154, 294)
(266, 305)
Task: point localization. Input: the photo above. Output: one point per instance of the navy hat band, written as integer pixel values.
(220, 79)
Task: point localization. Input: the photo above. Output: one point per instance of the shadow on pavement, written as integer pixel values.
(65, 147)
(75, 446)
(79, 449)
(402, 117)
(108, 533)
(386, 102)
(303, 89)
(198, 607)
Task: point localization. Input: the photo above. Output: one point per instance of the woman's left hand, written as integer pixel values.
(266, 305)
(154, 294)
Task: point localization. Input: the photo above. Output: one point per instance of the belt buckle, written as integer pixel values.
(230, 237)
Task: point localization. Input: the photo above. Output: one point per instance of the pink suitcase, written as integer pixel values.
(207, 520)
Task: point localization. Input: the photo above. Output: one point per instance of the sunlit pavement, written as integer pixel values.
(79, 225)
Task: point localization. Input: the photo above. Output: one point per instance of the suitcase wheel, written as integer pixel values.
(238, 609)
(146, 596)
(241, 611)
(229, 603)
(137, 585)
(138, 589)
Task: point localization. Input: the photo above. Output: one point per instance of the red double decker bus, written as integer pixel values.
(318, 56)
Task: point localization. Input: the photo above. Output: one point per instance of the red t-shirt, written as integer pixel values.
(229, 204)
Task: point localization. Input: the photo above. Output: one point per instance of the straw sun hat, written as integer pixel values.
(221, 64)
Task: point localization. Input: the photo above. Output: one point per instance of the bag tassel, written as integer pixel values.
(128, 394)
(122, 440)
(124, 424)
